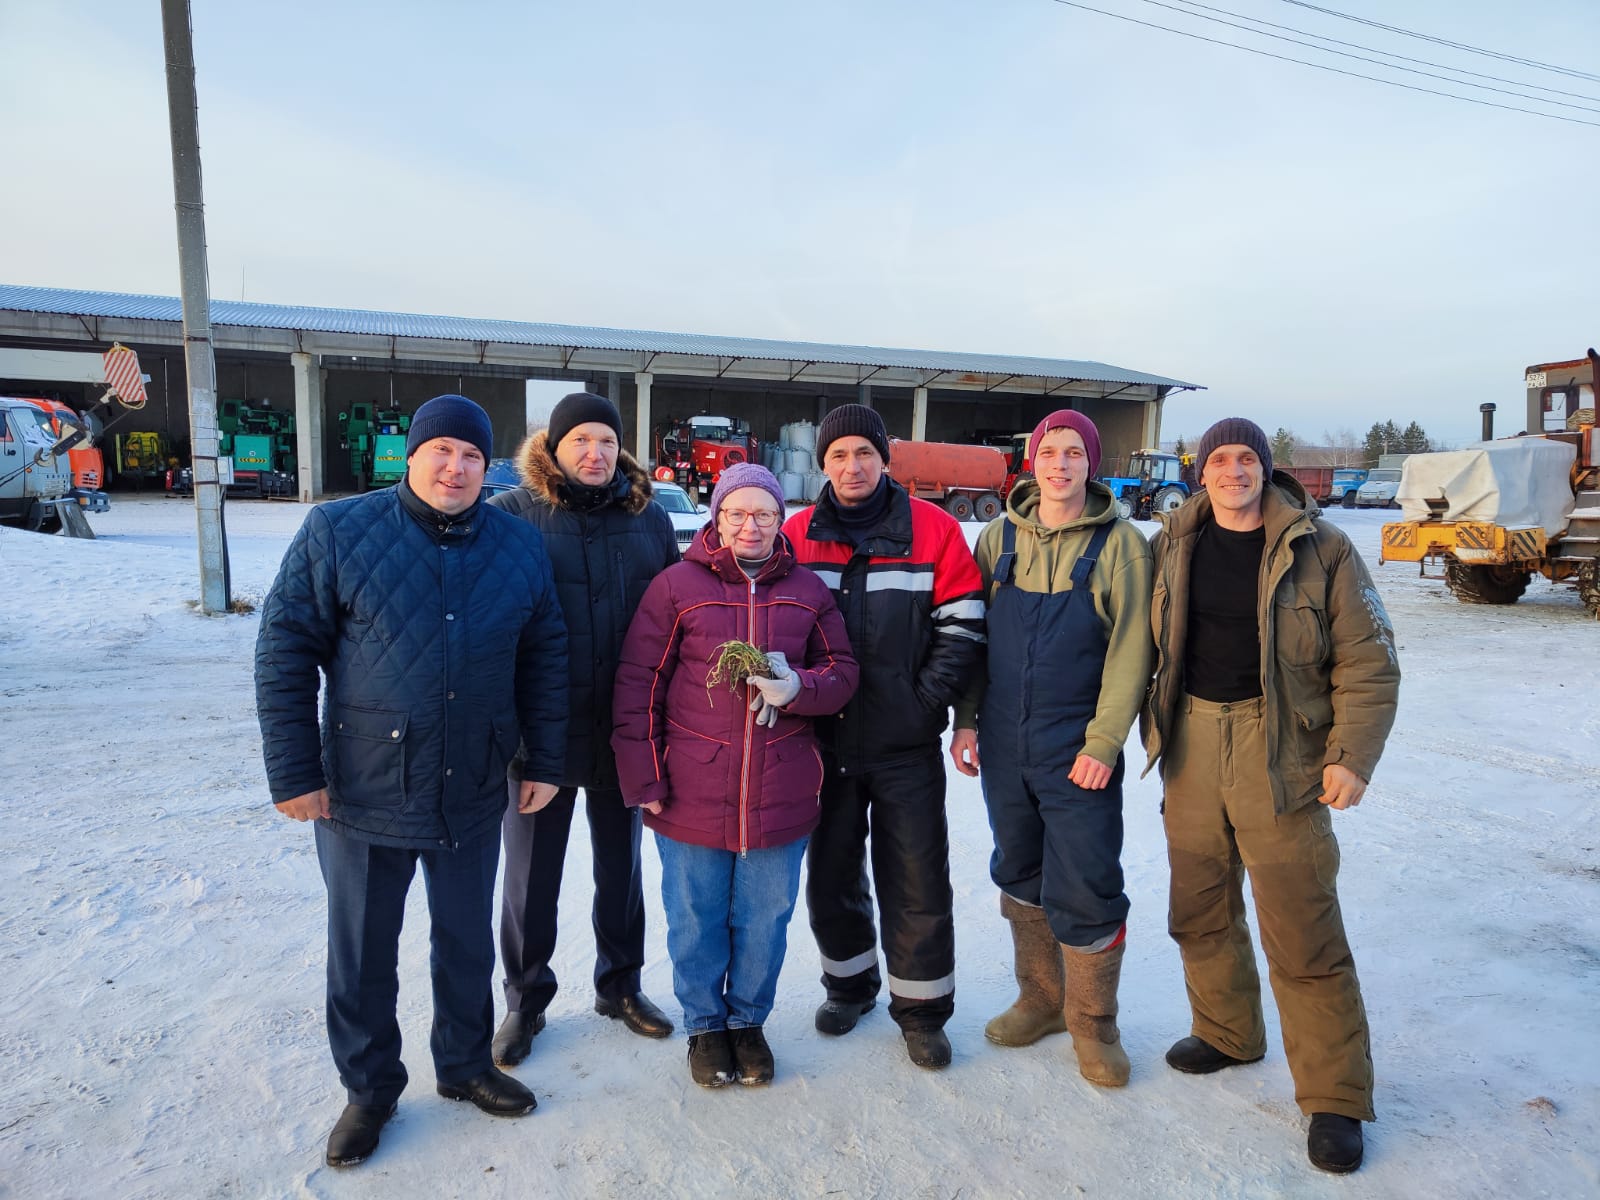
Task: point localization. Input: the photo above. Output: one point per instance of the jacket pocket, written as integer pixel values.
(369, 757)
(500, 748)
(792, 772)
(1302, 624)
(692, 768)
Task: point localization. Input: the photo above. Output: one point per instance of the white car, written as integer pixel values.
(687, 516)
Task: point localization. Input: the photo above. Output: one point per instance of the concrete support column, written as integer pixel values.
(919, 414)
(308, 423)
(864, 394)
(1150, 434)
(641, 433)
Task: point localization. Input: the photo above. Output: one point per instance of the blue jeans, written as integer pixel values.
(727, 929)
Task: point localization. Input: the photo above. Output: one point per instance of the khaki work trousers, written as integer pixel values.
(1220, 823)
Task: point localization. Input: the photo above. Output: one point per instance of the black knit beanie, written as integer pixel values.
(580, 408)
(1235, 431)
(451, 417)
(852, 420)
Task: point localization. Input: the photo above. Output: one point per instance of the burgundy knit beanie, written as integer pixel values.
(1235, 431)
(852, 420)
(1066, 418)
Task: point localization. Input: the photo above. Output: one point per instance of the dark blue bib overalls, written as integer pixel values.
(1057, 845)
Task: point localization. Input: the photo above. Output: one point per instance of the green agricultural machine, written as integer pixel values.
(261, 443)
(376, 441)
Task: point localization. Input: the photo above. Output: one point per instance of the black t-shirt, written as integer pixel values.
(1222, 661)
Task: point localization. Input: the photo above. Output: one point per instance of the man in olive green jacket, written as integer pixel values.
(1275, 689)
(1063, 673)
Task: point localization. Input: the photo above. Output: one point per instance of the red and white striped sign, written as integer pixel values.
(124, 376)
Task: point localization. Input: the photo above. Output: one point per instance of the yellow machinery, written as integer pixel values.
(1485, 563)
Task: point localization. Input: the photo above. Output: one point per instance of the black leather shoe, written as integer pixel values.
(355, 1133)
(1195, 1057)
(752, 1055)
(1334, 1143)
(637, 1013)
(513, 1041)
(711, 1062)
(838, 1017)
(928, 1048)
(494, 1091)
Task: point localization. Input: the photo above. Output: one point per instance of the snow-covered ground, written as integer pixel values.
(161, 1025)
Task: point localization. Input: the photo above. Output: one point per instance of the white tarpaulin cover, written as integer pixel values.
(1516, 482)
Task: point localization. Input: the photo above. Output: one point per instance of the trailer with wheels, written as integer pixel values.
(1496, 514)
(967, 481)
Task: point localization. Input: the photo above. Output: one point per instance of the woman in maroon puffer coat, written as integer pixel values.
(729, 779)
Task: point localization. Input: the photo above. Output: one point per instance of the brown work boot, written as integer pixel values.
(1091, 1012)
(1041, 981)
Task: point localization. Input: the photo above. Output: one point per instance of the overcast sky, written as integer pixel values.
(1010, 176)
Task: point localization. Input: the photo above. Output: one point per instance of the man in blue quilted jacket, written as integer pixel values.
(433, 622)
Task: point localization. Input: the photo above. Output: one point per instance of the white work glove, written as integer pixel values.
(773, 691)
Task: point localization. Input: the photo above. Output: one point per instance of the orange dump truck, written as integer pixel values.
(968, 481)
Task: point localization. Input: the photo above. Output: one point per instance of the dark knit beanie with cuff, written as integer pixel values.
(451, 417)
(1234, 431)
(580, 408)
(852, 420)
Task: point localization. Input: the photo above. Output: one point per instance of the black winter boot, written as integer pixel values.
(838, 1017)
(1193, 1056)
(355, 1134)
(752, 1055)
(495, 1092)
(513, 1041)
(1334, 1143)
(927, 1048)
(711, 1062)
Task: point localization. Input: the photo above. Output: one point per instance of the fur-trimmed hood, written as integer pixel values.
(536, 464)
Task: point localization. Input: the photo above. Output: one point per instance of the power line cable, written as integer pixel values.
(1374, 61)
(1410, 87)
(1428, 37)
(1388, 54)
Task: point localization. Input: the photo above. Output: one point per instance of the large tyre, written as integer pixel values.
(1478, 584)
(1124, 508)
(987, 507)
(1589, 588)
(1167, 500)
(959, 506)
(1349, 500)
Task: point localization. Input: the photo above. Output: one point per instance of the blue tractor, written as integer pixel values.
(1155, 482)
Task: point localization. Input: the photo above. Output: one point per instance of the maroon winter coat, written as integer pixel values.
(723, 780)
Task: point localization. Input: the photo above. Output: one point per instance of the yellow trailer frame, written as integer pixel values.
(1473, 542)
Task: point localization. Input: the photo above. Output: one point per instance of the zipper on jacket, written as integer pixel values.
(749, 724)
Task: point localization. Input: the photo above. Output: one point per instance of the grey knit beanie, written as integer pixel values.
(1235, 431)
(852, 420)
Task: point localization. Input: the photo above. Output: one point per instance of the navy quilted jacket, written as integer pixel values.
(441, 643)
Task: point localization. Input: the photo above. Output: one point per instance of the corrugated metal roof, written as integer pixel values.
(472, 329)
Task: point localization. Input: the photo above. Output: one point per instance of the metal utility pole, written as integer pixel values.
(183, 111)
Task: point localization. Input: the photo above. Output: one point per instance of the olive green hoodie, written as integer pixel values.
(1121, 584)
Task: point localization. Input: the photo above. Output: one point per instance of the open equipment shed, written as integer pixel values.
(319, 361)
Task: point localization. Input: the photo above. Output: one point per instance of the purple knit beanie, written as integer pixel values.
(742, 475)
(1235, 431)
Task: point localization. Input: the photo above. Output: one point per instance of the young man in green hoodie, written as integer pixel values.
(1068, 655)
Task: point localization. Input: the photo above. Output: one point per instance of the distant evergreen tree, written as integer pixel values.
(1181, 448)
(1283, 448)
(1375, 445)
(1414, 440)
